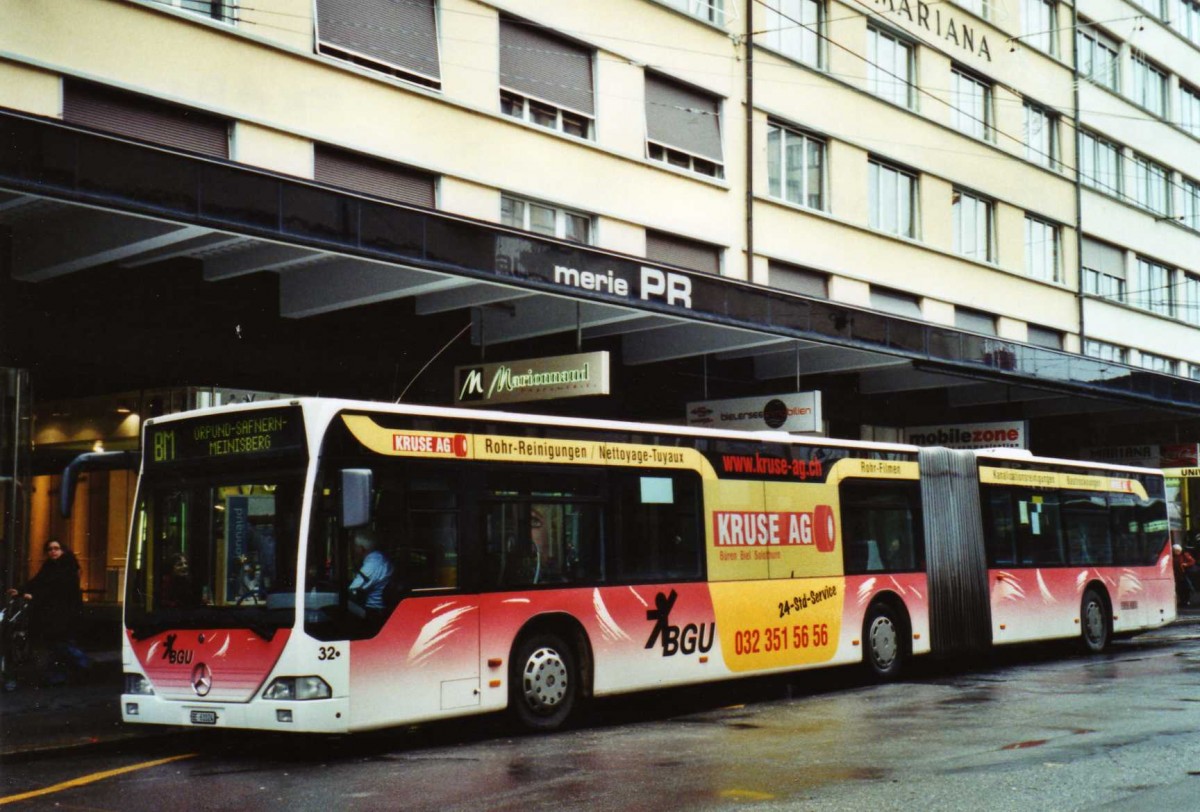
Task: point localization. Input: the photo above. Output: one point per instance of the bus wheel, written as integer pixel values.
(544, 681)
(883, 645)
(1093, 617)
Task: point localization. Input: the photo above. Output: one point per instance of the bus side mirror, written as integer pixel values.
(356, 497)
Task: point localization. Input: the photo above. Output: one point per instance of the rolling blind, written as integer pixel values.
(1106, 259)
(683, 118)
(400, 33)
(539, 64)
(145, 119)
(685, 253)
(380, 178)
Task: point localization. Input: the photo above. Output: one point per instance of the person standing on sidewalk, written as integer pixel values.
(56, 605)
(1183, 561)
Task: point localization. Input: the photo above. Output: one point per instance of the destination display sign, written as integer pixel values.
(236, 434)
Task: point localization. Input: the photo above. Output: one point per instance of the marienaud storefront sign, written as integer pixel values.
(560, 376)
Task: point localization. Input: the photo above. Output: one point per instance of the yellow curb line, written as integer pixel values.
(90, 779)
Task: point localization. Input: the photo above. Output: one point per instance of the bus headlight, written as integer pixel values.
(137, 684)
(298, 688)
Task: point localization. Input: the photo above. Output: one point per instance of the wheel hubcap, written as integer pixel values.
(883, 642)
(545, 680)
(1095, 622)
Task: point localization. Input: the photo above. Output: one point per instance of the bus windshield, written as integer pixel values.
(214, 551)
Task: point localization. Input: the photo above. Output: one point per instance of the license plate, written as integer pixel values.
(204, 717)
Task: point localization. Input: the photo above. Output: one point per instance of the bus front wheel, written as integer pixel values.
(1093, 617)
(883, 642)
(544, 681)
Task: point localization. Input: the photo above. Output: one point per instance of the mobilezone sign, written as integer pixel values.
(998, 434)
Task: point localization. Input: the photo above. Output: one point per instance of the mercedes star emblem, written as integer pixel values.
(202, 679)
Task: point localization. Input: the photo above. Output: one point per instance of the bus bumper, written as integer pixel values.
(312, 716)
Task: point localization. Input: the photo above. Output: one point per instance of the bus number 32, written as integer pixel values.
(328, 653)
(777, 638)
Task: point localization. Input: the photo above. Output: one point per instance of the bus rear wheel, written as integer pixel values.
(543, 681)
(883, 642)
(1093, 618)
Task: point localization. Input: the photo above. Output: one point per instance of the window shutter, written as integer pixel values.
(672, 250)
(402, 33)
(380, 178)
(536, 63)
(686, 119)
(1045, 337)
(798, 280)
(975, 321)
(1106, 259)
(895, 301)
(145, 119)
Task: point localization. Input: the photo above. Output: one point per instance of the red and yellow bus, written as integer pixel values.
(536, 562)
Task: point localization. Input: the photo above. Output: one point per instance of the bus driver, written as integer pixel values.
(372, 577)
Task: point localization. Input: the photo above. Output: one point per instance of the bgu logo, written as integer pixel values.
(673, 639)
(182, 657)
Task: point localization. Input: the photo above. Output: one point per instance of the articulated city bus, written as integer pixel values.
(326, 565)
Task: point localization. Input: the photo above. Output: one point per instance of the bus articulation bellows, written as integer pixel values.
(328, 565)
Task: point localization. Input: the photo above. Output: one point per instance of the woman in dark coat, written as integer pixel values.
(56, 607)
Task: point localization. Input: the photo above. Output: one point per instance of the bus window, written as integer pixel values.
(1000, 527)
(881, 526)
(1086, 526)
(539, 530)
(1140, 528)
(1039, 537)
(658, 528)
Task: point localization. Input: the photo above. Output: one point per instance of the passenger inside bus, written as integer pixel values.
(179, 589)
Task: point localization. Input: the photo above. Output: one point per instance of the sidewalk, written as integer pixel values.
(37, 719)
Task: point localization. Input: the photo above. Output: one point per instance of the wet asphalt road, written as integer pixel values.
(1035, 729)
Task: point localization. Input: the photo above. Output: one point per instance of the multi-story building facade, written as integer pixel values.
(973, 211)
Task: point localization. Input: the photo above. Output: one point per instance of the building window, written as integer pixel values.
(683, 126)
(796, 167)
(712, 11)
(798, 280)
(1039, 25)
(372, 176)
(1150, 288)
(221, 10)
(1149, 85)
(891, 68)
(970, 105)
(1101, 164)
(673, 250)
(1156, 363)
(1191, 203)
(1042, 255)
(1185, 18)
(1099, 57)
(1189, 109)
(1105, 351)
(144, 118)
(540, 218)
(896, 302)
(400, 39)
(545, 80)
(974, 321)
(793, 28)
(1151, 185)
(1046, 337)
(1187, 305)
(892, 198)
(973, 237)
(1041, 135)
(1155, 7)
(1103, 270)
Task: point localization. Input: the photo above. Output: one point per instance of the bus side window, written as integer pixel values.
(1085, 525)
(882, 526)
(1039, 533)
(1000, 532)
(658, 534)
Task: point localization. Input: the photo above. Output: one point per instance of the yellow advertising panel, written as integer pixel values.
(778, 623)
(1060, 480)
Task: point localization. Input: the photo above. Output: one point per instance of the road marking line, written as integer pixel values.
(91, 779)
